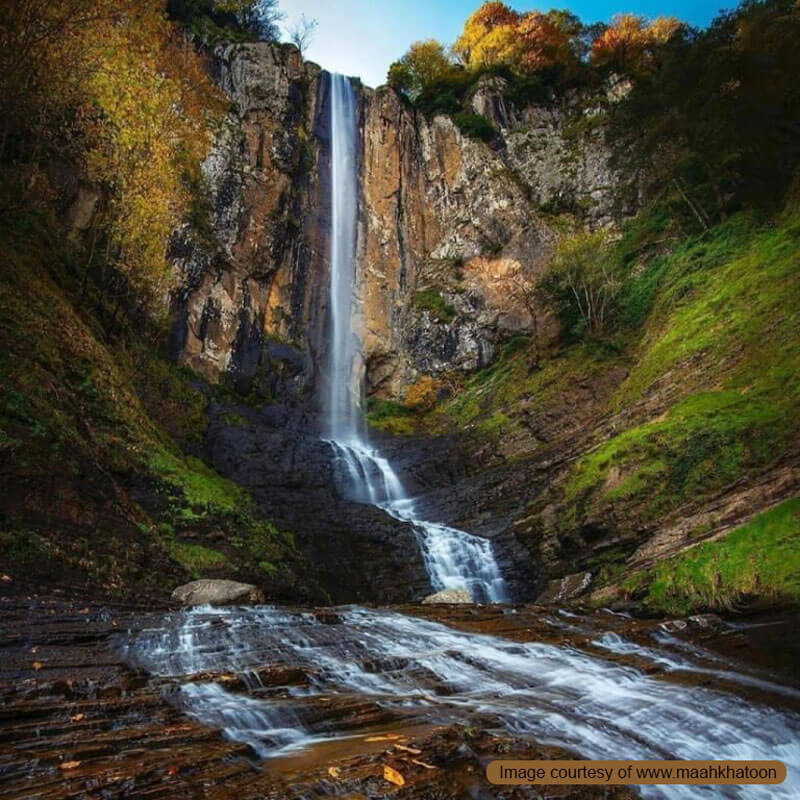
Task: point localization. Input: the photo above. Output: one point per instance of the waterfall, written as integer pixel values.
(343, 401)
(454, 559)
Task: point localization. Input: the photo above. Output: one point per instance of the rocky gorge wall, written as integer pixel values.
(452, 231)
(451, 228)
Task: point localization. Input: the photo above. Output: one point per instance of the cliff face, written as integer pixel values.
(446, 216)
(452, 229)
(256, 274)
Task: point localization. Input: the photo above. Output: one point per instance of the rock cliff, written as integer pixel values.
(451, 228)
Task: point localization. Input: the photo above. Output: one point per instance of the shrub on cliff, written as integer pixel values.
(422, 395)
(582, 283)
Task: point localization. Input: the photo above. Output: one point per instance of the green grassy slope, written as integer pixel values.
(698, 387)
(97, 488)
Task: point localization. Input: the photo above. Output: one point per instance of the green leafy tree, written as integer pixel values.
(716, 122)
(582, 283)
(425, 64)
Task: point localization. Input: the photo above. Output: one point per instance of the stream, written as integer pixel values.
(425, 671)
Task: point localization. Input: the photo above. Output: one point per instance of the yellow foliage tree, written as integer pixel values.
(424, 64)
(146, 97)
(492, 21)
(628, 43)
(496, 35)
(422, 395)
(115, 86)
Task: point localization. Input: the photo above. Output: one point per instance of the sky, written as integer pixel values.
(362, 37)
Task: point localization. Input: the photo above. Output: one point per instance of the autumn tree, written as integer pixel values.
(424, 64)
(628, 45)
(489, 37)
(422, 395)
(116, 90)
(496, 35)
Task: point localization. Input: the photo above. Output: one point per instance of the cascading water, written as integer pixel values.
(454, 559)
(418, 670)
(412, 670)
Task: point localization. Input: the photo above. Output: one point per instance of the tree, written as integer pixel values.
(425, 63)
(628, 45)
(545, 40)
(262, 18)
(714, 124)
(488, 37)
(581, 285)
(496, 35)
(118, 92)
(302, 32)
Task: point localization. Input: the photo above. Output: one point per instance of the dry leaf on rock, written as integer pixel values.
(393, 776)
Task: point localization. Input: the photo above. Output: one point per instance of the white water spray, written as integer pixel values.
(454, 559)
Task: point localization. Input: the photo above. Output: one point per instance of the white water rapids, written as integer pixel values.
(425, 670)
(454, 559)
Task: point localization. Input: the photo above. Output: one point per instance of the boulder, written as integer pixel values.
(217, 593)
(566, 588)
(449, 596)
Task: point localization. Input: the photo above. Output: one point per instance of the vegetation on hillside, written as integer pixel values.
(712, 116)
(108, 109)
(708, 333)
(98, 490)
(758, 561)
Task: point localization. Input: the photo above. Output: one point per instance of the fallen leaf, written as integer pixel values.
(422, 764)
(412, 750)
(37, 665)
(76, 718)
(393, 776)
(334, 772)
(70, 764)
(173, 770)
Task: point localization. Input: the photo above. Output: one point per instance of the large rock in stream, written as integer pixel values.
(448, 596)
(218, 593)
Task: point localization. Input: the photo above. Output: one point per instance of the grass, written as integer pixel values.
(725, 335)
(197, 489)
(430, 299)
(490, 399)
(94, 434)
(392, 417)
(761, 559)
(197, 559)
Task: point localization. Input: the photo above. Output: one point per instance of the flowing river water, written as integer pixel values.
(419, 669)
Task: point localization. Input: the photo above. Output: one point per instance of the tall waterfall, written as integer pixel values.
(454, 559)
(343, 417)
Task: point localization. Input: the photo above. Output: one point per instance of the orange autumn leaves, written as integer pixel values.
(628, 43)
(496, 35)
(114, 87)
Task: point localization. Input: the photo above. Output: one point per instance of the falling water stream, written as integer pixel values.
(414, 669)
(454, 559)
